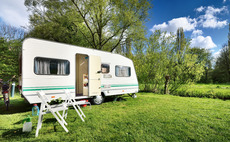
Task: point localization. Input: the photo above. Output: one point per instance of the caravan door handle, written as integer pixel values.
(99, 71)
(99, 79)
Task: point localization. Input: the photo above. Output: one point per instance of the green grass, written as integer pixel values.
(205, 90)
(220, 91)
(149, 117)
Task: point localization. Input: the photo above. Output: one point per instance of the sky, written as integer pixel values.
(205, 22)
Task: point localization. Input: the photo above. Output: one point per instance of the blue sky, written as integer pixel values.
(205, 22)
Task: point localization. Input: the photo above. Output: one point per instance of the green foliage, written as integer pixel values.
(149, 117)
(55, 20)
(9, 51)
(221, 73)
(100, 24)
(161, 55)
(229, 52)
(204, 91)
(205, 56)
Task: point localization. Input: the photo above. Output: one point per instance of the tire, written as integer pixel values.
(97, 100)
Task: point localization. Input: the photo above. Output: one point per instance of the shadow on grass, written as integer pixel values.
(19, 122)
(17, 133)
(49, 120)
(115, 99)
(17, 105)
(13, 133)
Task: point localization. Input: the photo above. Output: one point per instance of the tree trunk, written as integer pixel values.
(167, 78)
(145, 89)
(155, 88)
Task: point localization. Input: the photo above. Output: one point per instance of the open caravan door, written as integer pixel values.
(94, 75)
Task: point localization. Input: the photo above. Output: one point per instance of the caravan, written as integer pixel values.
(86, 73)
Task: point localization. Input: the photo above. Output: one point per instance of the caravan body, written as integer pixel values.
(87, 73)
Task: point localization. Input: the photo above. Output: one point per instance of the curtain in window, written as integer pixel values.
(122, 71)
(125, 71)
(117, 71)
(63, 67)
(42, 66)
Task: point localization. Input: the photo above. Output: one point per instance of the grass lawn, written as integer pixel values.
(149, 117)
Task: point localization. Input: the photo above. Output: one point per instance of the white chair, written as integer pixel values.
(54, 109)
(70, 101)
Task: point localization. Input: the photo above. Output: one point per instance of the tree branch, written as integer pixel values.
(85, 21)
(121, 37)
(84, 35)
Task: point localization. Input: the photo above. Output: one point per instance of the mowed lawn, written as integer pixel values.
(149, 117)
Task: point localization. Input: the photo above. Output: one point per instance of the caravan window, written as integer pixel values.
(105, 68)
(122, 71)
(47, 66)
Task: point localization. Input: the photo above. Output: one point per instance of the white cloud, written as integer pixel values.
(200, 41)
(186, 23)
(212, 50)
(200, 9)
(196, 33)
(217, 54)
(14, 12)
(210, 20)
(224, 1)
(203, 42)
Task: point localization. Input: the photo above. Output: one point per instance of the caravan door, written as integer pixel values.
(94, 75)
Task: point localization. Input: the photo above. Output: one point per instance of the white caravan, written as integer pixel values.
(86, 73)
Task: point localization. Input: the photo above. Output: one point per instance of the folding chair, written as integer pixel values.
(70, 101)
(54, 109)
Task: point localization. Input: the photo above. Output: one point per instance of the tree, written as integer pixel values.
(10, 49)
(53, 20)
(111, 20)
(229, 43)
(205, 56)
(180, 41)
(10, 32)
(102, 24)
(183, 68)
(166, 66)
(221, 73)
(180, 67)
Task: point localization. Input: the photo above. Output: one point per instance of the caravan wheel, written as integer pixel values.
(97, 100)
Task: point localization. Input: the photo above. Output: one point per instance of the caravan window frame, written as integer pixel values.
(122, 67)
(52, 59)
